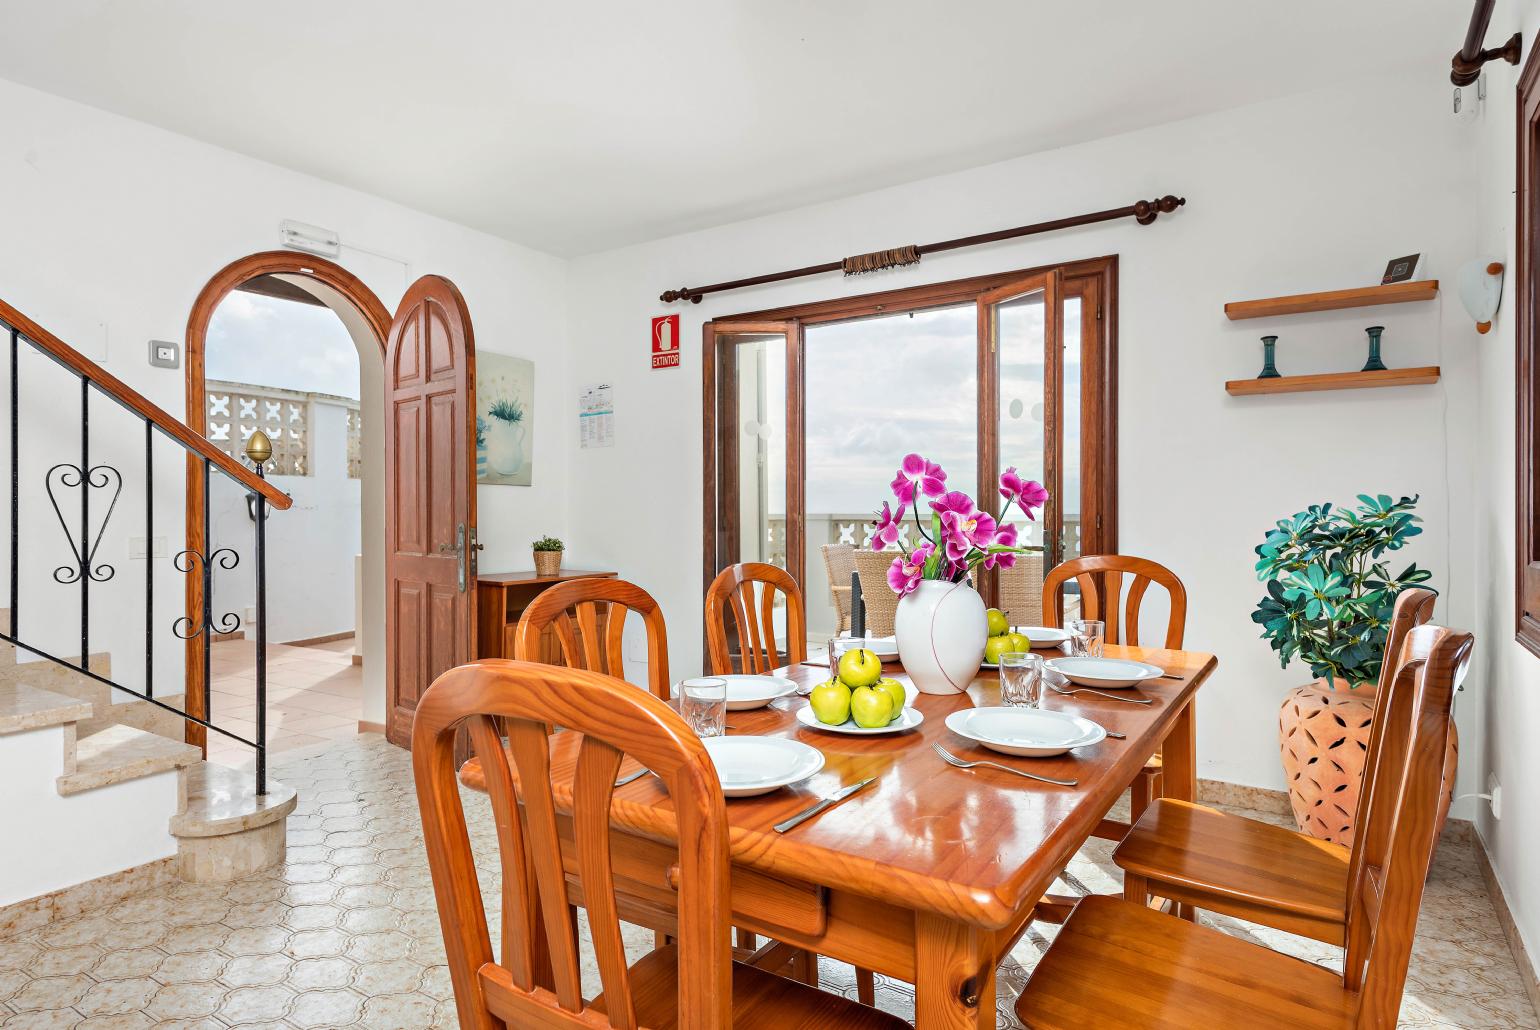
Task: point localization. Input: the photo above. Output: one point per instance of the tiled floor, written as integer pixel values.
(314, 694)
(346, 935)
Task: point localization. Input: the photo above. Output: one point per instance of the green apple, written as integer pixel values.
(860, 668)
(896, 690)
(1020, 642)
(997, 621)
(871, 707)
(830, 701)
(994, 647)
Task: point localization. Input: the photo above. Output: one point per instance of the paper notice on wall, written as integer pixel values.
(596, 416)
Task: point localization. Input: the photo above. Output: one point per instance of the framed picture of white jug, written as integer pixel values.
(505, 419)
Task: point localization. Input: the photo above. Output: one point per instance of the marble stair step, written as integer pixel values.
(28, 708)
(64, 679)
(142, 715)
(121, 753)
(222, 800)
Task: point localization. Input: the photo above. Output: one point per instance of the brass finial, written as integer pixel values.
(259, 448)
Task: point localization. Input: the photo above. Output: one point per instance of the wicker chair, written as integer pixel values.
(839, 564)
(1021, 590)
(881, 602)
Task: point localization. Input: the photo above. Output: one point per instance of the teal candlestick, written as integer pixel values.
(1374, 364)
(1269, 369)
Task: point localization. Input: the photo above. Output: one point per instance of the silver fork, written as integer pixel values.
(1101, 693)
(951, 759)
(631, 778)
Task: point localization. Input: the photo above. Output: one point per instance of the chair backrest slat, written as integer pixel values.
(747, 592)
(538, 982)
(1395, 849)
(1100, 577)
(573, 611)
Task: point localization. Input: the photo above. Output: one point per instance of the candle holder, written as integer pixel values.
(1374, 364)
(1269, 369)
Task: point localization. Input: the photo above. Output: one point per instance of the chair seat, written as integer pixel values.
(1114, 964)
(761, 1000)
(1240, 866)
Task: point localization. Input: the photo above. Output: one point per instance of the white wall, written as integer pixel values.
(1308, 193)
(1505, 677)
(111, 229)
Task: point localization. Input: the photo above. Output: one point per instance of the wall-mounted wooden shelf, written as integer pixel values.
(1362, 297)
(1334, 381)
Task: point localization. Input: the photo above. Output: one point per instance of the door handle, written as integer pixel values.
(461, 554)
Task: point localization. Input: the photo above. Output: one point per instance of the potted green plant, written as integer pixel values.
(1330, 593)
(548, 551)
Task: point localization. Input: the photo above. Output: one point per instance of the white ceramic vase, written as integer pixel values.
(505, 446)
(940, 630)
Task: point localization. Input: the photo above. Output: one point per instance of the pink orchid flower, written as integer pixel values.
(962, 533)
(887, 524)
(918, 475)
(906, 572)
(1027, 493)
(1006, 537)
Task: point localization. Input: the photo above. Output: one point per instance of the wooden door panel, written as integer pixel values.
(431, 508)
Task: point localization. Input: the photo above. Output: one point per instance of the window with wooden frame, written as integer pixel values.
(1528, 359)
(809, 410)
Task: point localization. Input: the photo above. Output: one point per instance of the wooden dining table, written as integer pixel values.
(931, 873)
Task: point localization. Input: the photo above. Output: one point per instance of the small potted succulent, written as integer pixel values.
(548, 556)
(1329, 599)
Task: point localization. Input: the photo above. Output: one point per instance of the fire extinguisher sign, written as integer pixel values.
(665, 341)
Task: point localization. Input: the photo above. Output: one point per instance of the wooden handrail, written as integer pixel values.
(140, 405)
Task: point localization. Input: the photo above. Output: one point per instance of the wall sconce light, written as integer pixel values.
(1481, 291)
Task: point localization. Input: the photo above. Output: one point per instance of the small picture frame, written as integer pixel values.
(1401, 269)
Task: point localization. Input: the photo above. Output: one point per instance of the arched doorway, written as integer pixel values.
(368, 322)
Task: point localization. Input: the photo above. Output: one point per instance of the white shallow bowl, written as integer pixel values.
(911, 718)
(1105, 672)
(1028, 732)
(885, 648)
(745, 692)
(757, 765)
(1043, 636)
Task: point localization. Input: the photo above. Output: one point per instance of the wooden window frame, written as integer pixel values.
(1094, 281)
(1527, 357)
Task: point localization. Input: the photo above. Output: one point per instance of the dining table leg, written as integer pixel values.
(954, 975)
(1179, 772)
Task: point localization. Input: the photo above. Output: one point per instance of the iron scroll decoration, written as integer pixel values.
(226, 558)
(68, 476)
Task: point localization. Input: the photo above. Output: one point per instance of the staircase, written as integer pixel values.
(96, 778)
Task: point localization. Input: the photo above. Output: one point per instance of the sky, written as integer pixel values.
(270, 342)
(878, 389)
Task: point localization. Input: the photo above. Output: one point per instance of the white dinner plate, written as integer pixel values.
(1029, 732)
(885, 648)
(757, 765)
(745, 692)
(1105, 672)
(1043, 636)
(910, 718)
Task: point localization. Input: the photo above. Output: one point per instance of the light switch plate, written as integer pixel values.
(165, 354)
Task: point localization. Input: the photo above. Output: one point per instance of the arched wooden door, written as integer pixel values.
(430, 495)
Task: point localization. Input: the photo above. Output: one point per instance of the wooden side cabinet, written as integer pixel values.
(501, 598)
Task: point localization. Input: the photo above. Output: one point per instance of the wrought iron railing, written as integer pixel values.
(82, 568)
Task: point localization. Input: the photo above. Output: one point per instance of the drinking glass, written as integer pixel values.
(703, 703)
(1086, 637)
(1021, 679)
(837, 647)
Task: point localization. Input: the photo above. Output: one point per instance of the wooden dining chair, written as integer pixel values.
(747, 592)
(1100, 578)
(588, 617)
(1266, 874)
(534, 979)
(1117, 964)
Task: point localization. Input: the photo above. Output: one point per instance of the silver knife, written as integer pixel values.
(808, 813)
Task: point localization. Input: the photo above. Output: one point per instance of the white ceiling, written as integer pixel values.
(579, 126)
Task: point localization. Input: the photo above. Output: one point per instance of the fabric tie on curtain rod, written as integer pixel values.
(1143, 211)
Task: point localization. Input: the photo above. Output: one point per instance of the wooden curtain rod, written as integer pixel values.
(1466, 66)
(1144, 212)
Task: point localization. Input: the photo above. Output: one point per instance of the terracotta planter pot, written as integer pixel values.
(1323, 735)
(548, 563)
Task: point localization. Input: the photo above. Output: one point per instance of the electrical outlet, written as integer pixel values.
(1496, 790)
(138, 548)
(165, 354)
(251, 613)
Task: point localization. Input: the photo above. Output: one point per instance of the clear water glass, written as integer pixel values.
(1085, 637)
(1021, 679)
(703, 703)
(837, 647)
